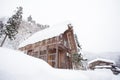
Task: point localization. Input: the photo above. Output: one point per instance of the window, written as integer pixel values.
(42, 55)
(29, 52)
(52, 57)
(35, 54)
(42, 52)
(65, 43)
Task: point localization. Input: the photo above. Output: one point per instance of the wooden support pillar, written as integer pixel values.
(56, 61)
(39, 52)
(46, 51)
(65, 60)
(47, 54)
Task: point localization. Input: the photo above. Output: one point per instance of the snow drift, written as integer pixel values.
(15, 65)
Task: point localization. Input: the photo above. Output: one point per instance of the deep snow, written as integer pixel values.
(15, 65)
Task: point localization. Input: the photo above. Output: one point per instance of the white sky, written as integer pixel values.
(96, 21)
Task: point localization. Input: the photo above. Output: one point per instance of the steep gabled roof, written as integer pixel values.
(47, 33)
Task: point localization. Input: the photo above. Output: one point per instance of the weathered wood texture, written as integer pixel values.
(56, 50)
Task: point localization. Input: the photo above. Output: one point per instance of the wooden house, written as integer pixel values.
(100, 63)
(55, 50)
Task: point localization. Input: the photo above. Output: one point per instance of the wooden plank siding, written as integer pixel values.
(55, 49)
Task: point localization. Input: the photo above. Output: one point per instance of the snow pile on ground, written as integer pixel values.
(101, 74)
(15, 65)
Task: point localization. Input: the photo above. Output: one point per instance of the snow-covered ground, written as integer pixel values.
(15, 65)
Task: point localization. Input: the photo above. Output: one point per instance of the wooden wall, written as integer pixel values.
(54, 50)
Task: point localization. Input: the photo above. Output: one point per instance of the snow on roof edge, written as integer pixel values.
(50, 32)
(101, 59)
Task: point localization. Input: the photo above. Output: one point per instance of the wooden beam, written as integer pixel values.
(51, 60)
(52, 54)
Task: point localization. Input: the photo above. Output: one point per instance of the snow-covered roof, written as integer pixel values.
(100, 59)
(50, 32)
(103, 66)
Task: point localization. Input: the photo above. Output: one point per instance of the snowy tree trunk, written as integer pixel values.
(3, 40)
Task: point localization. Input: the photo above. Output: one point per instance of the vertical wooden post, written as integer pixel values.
(39, 53)
(65, 60)
(56, 61)
(46, 51)
(47, 54)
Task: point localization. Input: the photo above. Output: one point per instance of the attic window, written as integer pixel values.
(65, 43)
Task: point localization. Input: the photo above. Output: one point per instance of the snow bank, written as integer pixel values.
(15, 65)
(46, 33)
(101, 74)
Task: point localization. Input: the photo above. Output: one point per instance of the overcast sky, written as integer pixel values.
(97, 22)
